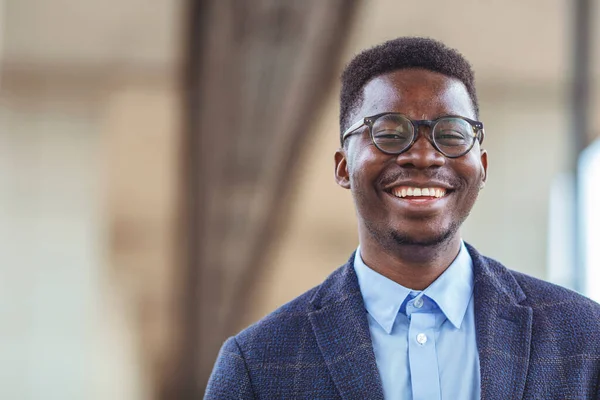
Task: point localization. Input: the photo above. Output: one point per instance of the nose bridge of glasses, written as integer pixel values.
(423, 128)
(423, 123)
(422, 152)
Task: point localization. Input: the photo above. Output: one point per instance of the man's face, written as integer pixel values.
(377, 180)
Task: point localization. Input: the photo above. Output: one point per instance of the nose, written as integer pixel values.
(421, 155)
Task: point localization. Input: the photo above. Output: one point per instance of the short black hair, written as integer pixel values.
(401, 53)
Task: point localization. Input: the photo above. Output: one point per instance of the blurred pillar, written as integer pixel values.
(580, 121)
(257, 73)
(141, 152)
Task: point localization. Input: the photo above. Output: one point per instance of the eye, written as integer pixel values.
(390, 134)
(451, 138)
(450, 134)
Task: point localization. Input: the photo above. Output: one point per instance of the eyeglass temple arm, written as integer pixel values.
(354, 127)
(481, 135)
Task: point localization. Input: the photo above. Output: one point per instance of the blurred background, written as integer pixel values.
(166, 170)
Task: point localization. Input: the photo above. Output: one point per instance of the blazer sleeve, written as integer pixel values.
(230, 378)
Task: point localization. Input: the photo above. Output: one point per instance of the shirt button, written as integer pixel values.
(421, 338)
(418, 303)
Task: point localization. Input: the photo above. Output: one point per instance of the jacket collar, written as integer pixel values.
(339, 322)
(503, 329)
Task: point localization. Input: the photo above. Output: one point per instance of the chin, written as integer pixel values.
(434, 238)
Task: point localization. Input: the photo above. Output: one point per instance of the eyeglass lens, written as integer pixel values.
(394, 134)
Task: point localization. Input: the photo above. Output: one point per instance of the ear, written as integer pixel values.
(341, 169)
(484, 164)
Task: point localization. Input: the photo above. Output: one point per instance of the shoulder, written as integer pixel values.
(552, 302)
(279, 356)
(254, 360)
(525, 289)
(545, 295)
(283, 331)
(286, 320)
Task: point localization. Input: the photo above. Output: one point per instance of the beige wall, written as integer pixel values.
(88, 101)
(61, 335)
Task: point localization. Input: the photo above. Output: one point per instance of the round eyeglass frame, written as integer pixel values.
(477, 126)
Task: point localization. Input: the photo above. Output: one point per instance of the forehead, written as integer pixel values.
(417, 93)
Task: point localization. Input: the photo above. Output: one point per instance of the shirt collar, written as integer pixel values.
(382, 296)
(451, 291)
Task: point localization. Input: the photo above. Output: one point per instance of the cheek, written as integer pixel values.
(474, 167)
(360, 181)
(363, 166)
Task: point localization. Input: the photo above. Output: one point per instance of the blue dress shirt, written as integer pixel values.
(424, 341)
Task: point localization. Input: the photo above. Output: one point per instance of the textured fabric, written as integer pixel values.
(536, 340)
(444, 362)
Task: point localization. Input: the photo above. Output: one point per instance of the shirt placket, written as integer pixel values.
(424, 371)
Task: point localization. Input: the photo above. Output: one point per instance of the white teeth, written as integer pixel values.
(409, 191)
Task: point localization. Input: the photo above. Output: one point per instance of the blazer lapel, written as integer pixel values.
(503, 330)
(339, 322)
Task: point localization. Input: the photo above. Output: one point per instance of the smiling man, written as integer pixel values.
(416, 313)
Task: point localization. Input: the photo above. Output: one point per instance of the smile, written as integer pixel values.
(411, 191)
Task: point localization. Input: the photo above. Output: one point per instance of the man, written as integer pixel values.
(415, 313)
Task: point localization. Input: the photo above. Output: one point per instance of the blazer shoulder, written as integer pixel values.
(538, 294)
(284, 331)
(541, 293)
(566, 324)
(548, 298)
(288, 315)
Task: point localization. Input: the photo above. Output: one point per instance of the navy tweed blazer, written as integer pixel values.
(536, 340)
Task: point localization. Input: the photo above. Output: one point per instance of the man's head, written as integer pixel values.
(423, 80)
(401, 53)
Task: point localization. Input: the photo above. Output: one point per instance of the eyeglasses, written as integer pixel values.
(394, 133)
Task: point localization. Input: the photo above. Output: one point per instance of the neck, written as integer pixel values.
(412, 266)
